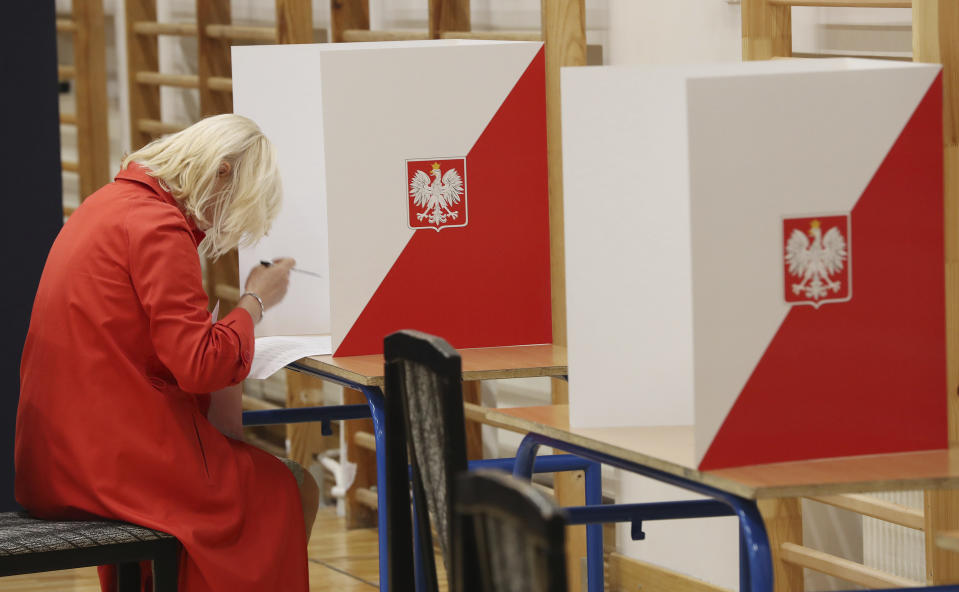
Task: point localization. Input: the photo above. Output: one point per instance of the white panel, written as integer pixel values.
(702, 548)
(764, 147)
(287, 108)
(384, 106)
(628, 282)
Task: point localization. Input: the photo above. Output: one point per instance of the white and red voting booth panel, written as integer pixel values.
(415, 184)
(756, 250)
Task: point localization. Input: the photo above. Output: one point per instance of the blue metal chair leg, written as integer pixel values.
(594, 531)
(377, 403)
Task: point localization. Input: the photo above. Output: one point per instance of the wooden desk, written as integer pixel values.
(670, 449)
(524, 361)
(667, 454)
(365, 374)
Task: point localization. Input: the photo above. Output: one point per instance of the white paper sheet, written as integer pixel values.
(272, 353)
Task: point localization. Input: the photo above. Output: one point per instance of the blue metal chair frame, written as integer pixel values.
(755, 559)
(376, 409)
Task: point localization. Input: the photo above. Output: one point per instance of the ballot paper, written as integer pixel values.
(273, 353)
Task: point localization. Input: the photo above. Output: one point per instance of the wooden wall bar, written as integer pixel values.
(935, 38)
(93, 138)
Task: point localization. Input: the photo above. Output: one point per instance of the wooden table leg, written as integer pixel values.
(783, 519)
(472, 393)
(941, 514)
(357, 514)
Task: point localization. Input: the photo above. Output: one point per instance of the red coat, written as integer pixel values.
(112, 418)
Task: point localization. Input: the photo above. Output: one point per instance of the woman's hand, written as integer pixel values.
(269, 283)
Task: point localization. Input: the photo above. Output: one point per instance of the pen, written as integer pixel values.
(266, 263)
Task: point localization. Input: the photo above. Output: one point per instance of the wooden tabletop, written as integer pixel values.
(670, 449)
(521, 361)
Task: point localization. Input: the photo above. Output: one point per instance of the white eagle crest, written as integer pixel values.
(436, 196)
(814, 263)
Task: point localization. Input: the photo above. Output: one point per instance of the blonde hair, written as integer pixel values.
(239, 209)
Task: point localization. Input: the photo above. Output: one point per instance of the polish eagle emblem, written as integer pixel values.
(435, 201)
(816, 262)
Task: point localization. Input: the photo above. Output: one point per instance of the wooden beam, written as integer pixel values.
(448, 15)
(354, 35)
(227, 292)
(348, 15)
(845, 3)
(564, 36)
(767, 30)
(69, 166)
(66, 25)
(365, 440)
(241, 33)
(876, 508)
(895, 58)
(161, 79)
(142, 56)
(936, 39)
(220, 84)
(154, 28)
(294, 21)
(68, 119)
(367, 498)
(843, 569)
(783, 520)
(494, 35)
(66, 72)
(154, 127)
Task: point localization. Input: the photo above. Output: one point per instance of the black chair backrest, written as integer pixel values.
(424, 410)
(519, 535)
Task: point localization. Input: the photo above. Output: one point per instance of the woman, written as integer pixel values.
(121, 356)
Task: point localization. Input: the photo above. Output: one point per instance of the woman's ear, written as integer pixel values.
(224, 169)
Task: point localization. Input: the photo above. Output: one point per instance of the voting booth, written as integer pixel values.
(756, 250)
(415, 189)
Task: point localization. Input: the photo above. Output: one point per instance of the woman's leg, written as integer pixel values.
(309, 494)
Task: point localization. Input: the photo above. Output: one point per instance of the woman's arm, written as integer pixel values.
(226, 411)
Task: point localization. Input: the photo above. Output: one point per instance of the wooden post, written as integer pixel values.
(213, 55)
(294, 21)
(93, 138)
(472, 393)
(767, 30)
(783, 519)
(346, 15)
(936, 40)
(564, 36)
(448, 15)
(357, 514)
(142, 55)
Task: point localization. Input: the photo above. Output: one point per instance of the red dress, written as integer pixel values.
(112, 417)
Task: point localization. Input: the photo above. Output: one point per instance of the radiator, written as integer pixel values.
(892, 548)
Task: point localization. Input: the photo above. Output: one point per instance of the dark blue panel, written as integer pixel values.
(30, 194)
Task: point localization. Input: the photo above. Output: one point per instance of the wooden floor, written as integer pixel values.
(340, 560)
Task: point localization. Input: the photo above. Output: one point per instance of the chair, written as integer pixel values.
(424, 410)
(519, 535)
(31, 545)
(424, 398)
